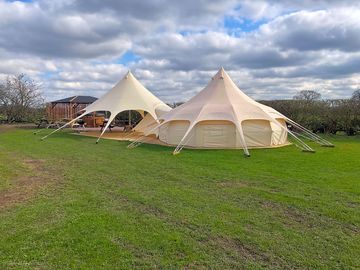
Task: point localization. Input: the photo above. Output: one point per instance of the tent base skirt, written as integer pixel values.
(125, 136)
(228, 148)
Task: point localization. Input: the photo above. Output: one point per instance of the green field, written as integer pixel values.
(67, 203)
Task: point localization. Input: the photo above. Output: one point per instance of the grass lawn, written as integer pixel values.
(67, 203)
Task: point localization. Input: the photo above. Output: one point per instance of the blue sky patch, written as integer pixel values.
(128, 57)
(48, 74)
(237, 26)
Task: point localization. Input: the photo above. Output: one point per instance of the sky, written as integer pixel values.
(271, 49)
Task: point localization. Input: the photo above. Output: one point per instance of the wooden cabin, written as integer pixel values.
(69, 108)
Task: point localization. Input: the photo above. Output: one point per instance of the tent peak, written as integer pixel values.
(128, 74)
(220, 74)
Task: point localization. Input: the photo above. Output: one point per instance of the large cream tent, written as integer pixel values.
(127, 94)
(222, 116)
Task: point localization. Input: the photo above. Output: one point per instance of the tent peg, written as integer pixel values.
(308, 151)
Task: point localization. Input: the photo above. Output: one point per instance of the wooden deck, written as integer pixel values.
(119, 135)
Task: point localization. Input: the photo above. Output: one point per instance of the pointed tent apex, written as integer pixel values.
(128, 74)
(223, 72)
(220, 74)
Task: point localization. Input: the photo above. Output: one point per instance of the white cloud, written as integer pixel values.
(74, 47)
(334, 29)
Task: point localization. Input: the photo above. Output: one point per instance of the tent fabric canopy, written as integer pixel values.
(127, 94)
(146, 124)
(222, 116)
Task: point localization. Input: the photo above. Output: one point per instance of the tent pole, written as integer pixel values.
(180, 146)
(129, 118)
(312, 136)
(305, 136)
(111, 118)
(242, 139)
(37, 132)
(238, 126)
(139, 141)
(183, 145)
(72, 121)
(305, 147)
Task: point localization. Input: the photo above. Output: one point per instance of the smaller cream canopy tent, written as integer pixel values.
(222, 116)
(127, 94)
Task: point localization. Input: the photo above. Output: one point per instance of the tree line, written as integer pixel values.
(21, 101)
(321, 115)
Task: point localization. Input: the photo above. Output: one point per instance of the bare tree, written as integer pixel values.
(308, 109)
(308, 95)
(355, 104)
(356, 95)
(19, 96)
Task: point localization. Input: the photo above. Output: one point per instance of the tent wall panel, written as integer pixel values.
(223, 134)
(257, 133)
(215, 134)
(279, 135)
(147, 124)
(172, 132)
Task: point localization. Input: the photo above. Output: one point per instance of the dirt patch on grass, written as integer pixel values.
(268, 205)
(235, 248)
(138, 206)
(7, 127)
(150, 210)
(298, 217)
(232, 184)
(153, 211)
(140, 253)
(353, 204)
(27, 184)
(312, 220)
(4, 128)
(294, 217)
(291, 216)
(34, 163)
(195, 265)
(245, 251)
(291, 213)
